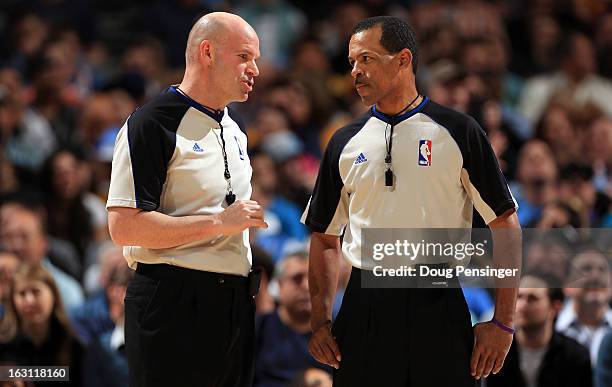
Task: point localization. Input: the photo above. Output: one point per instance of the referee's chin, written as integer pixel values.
(243, 97)
(367, 100)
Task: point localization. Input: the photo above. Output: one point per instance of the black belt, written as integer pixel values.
(164, 271)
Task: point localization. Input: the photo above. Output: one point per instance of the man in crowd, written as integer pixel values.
(539, 356)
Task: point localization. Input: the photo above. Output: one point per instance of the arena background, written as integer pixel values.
(535, 74)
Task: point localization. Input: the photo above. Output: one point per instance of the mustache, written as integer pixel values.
(360, 81)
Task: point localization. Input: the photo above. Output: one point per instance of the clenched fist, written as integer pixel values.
(240, 215)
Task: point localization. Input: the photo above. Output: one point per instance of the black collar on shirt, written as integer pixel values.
(216, 115)
(394, 120)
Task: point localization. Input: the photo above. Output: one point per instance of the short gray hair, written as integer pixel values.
(279, 268)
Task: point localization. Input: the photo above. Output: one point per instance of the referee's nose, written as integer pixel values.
(356, 71)
(252, 69)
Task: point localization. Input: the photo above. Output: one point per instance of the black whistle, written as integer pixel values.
(230, 198)
(389, 178)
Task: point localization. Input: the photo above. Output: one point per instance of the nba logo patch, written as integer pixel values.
(425, 153)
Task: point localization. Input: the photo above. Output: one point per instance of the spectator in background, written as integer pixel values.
(558, 131)
(486, 57)
(447, 85)
(603, 369)
(99, 113)
(603, 44)
(548, 253)
(170, 21)
(74, 214)
(103, 258)
(8, 266)
(336, 36)
(559, 215)
(576, 188)
(587, 316)
(288, 213)
(312, 377)
(598, 151)
(146, 57)
(278, 24)
(274, 239)
(537, 176)
(536, 42)
(22, 233)
(281, 344)
(61, 253)
(53, 98)
(8, 180)
(576, 81)
(93, 318)
(106, 362)
(294, 99)
(539, 356)
(41, 334)
(264, 301)
(27, 138)
(28, 34)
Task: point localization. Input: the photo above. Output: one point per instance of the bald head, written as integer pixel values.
(216, 27)
(221, 60)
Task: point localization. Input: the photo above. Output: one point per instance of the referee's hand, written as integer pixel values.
(240, 215)
(491, 345)
(323, 346)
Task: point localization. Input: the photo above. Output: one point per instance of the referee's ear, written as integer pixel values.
(405, 57)
(206, 54)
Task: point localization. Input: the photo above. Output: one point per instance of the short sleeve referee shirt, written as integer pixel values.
(168, 158)
(444, 167)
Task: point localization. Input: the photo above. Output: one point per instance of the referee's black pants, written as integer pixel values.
(188, 328)
(403, 337)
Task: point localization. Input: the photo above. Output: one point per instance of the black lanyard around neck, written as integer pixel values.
(389, 176)
(230, 197)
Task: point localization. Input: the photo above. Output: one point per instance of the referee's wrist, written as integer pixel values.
(315, 326)
(503, 326)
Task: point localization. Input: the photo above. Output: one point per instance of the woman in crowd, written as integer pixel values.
(41, 334)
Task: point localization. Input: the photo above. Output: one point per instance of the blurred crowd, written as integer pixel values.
(536, 75)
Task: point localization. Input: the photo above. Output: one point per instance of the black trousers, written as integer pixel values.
(188, 328)
(414, 337)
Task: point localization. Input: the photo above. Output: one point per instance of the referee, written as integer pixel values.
(179, 204)
(407, 163)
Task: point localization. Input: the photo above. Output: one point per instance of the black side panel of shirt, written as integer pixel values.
(152, 140)
(326, 193)
(478, 157)
(237, 119)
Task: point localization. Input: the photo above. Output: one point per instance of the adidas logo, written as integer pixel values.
(196, 148)
(360, 159)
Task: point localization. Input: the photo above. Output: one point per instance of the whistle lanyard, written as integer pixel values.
(389, 175)
(230, 197)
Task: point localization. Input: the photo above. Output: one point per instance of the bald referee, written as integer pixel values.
(179, 204)
(407, 163)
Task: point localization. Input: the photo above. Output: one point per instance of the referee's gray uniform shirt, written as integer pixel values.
(168, 158)
(444, 167)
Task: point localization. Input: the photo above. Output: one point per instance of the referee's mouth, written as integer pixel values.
(359, 85)
(249, 83)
